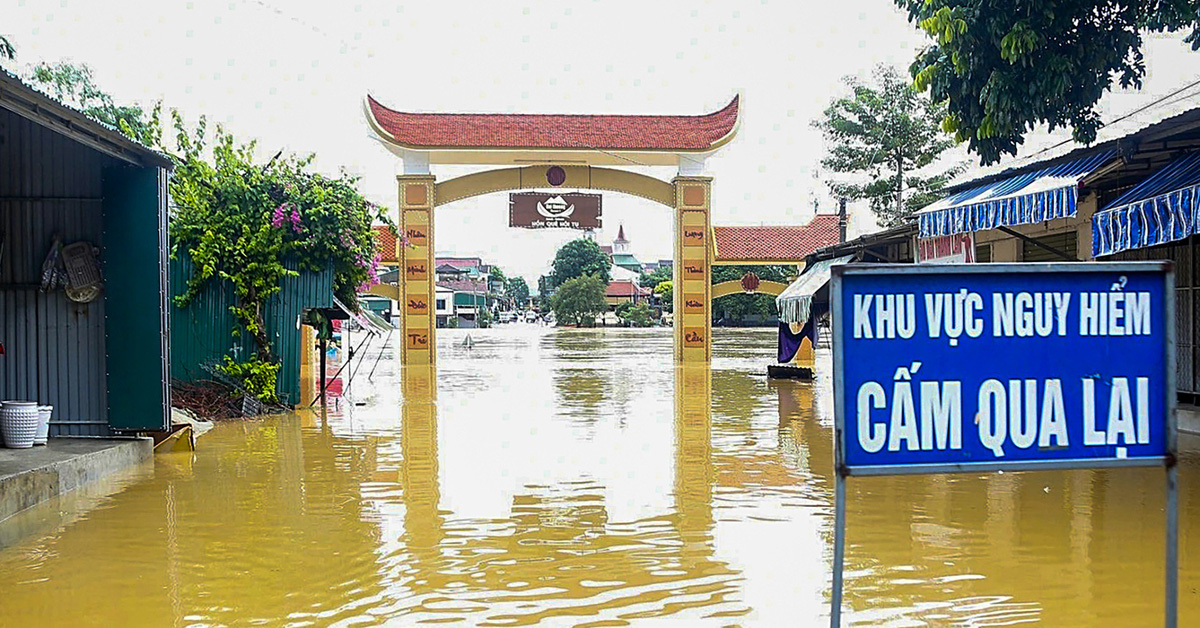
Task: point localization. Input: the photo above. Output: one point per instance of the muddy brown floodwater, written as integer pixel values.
(563, 478)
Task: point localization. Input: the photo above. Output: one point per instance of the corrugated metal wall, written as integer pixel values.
(1187, 306)
(55, 350)
(200, 333)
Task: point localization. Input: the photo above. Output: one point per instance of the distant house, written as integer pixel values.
(443, 305)
(449, 272)
(625, 291)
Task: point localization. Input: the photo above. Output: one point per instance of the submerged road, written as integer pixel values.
(574, 477)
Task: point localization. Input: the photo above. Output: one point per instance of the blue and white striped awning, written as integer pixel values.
(1159, 210)
(1023, 199)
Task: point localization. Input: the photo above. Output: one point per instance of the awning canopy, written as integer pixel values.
(361, 319)
(377, 321)
(795, 302)
(1159, 210)
(1022, 199)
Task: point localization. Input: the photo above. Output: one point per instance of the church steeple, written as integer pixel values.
(621, 245)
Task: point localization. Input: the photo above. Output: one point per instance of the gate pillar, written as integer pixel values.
(692, 278)
(415, 252)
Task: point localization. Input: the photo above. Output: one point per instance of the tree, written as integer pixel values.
(7, 51)
(75, 86)
(660, 274)
(889, 134)
(666, 294)
(1006, 67)
(496, 279)
(518, 290)
(637, 316)
(578, 258)
(242, 221)
(579, 301)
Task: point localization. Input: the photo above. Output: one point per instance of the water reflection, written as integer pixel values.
(579, 478)
(559, 553)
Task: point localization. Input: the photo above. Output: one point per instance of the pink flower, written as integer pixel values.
(280, 216)
(295, 219)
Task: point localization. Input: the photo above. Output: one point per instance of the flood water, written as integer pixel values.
(575, 477)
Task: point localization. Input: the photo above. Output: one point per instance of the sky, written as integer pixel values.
(292, 74)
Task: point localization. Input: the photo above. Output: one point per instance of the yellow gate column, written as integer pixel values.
(691, 284)
(415, 252)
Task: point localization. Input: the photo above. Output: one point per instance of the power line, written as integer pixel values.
(1130, 114)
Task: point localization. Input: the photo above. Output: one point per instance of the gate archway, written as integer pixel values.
(570, 152)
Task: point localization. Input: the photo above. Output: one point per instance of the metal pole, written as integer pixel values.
(324, 348)
(1172, 575)
(839, 548)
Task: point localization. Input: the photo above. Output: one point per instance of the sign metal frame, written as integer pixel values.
(842, 471)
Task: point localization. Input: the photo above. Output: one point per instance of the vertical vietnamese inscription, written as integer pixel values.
(416, 259)
(692, 259)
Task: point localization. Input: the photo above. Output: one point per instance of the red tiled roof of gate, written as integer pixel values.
(387, 243)
(784, 244)
(556, 131)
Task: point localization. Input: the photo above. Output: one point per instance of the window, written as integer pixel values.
(983, 253)
(1065, 242)
(441, 304)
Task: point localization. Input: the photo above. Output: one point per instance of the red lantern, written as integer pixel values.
(750, 282)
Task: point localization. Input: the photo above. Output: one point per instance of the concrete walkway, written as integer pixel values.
(31, 476)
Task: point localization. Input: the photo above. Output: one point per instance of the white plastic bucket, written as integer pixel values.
(19, 423)
(43, 429)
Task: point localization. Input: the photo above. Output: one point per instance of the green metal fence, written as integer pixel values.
(200, 333)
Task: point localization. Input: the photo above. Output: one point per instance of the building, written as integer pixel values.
(625, 291)
(466, 298)
(443, 305)
(94, 346)
(625, 264)
(1132, 195)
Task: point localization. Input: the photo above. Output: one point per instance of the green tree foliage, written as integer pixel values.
(578, 258)
(74, 85)
(736, 308)
(650, 280)
(1005, 67)
(241, 221)
(887, 133)
(496, 280)
(636, 315)
(579, 300)
(666, 294)
(517, 290)
(7, 50)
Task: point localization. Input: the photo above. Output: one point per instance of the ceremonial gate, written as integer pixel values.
(555, 152)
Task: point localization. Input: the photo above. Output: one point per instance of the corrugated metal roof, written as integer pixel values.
(28, 102)
(1172, 111)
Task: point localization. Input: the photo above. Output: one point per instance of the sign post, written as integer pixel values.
(1003, 367)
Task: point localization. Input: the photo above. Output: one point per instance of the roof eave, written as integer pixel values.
(40, 108)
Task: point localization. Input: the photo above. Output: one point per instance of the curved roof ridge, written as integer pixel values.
(533, 131)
